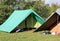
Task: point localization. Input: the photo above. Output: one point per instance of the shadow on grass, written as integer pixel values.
(23, 30)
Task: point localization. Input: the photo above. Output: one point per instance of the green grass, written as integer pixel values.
(27, 36)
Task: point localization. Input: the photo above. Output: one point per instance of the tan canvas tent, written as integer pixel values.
(52, 23)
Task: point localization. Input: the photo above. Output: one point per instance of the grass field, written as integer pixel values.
(28, 36)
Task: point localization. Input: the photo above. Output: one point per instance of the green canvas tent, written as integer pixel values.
(17, 17)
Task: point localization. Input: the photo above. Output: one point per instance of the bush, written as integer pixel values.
(5, 12)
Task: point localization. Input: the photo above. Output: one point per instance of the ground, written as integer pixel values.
(28, 36)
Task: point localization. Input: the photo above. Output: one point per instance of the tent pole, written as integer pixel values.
(26, 23)
(57, 19)
(32, 20)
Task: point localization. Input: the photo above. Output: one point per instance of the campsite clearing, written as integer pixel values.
(28, 36)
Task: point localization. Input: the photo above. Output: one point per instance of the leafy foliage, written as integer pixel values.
(53, 8)
(5, 12)
(39, 7)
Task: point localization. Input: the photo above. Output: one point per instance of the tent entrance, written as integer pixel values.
(30, 21)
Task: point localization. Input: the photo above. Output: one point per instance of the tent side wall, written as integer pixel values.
(48, 23)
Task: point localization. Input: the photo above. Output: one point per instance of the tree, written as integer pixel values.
(5, 12)
(53, 8)
(39, 7)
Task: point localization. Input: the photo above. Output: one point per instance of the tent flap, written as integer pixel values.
(41, 21)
